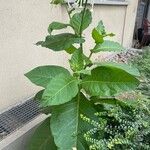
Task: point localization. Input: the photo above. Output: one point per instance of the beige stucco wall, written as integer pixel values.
(24, 22)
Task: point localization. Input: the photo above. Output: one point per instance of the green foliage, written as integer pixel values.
(120, 126)
(42, 138)
(60, 42)
(107, 46)
(58, 88)
(56, 26)
(66, 120)
(142, 62)
(106, 81)
(81, 20)
(67, 94)
(42, 75)
(76, 61)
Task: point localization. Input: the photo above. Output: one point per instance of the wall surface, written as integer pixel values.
(148, 16)
(24, 22)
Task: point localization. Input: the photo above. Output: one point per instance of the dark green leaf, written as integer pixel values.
(128, 68)
(56, 26)
(76, 21)
(38, 96)
(76, 61)
(67, 126)
(108, 81)
(60, 42)
(60, 89)
(42, 138)
(107, 46)
(42, 75)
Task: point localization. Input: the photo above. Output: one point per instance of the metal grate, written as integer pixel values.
(17, 116)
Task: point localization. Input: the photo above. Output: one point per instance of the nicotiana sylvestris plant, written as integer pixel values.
(67, 94)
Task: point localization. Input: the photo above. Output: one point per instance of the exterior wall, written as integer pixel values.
(148, 16)
(24, 22)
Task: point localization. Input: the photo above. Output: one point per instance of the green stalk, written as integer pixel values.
(81, 45)
(67, 11)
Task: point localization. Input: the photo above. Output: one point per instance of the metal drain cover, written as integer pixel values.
(17, 116)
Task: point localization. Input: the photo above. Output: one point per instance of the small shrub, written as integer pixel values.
(142, 62)
(119, 127)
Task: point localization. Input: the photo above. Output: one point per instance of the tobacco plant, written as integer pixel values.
(68, 93)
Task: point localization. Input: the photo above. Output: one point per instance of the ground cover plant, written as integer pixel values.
(69, 94)
(124, 125)
(142, 62)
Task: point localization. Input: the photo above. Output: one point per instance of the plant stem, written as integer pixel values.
(90, 55)
(81, 45)
(67, 11)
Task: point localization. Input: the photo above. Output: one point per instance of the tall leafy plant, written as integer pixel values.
(70, 93)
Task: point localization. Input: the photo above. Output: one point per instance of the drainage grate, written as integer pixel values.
(17, 116)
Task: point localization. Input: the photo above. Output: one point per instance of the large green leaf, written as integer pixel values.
(67, 126)
(76, 61)
(42, 75)
(60, 89)
(107, 46)
(76, 21)
(60, 42)
(42, 138)
(56, 26)
(128, 68)
(108, 81)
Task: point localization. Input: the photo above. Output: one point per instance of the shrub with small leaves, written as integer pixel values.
(142, 62)
(125, 126)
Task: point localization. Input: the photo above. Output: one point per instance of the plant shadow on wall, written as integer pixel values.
(69, 96)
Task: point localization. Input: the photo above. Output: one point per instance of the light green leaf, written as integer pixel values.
(60, 89)
(42, 138)
(67, 126)
(101, 28)
(60, 42)
(85, 72)
(108, 81)
(75, 21)
(42, 75)
(76, 61)
(97, 36)
(107, 46)
(128, 68)
(87, 61)
(71, 49)
(56, 26)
